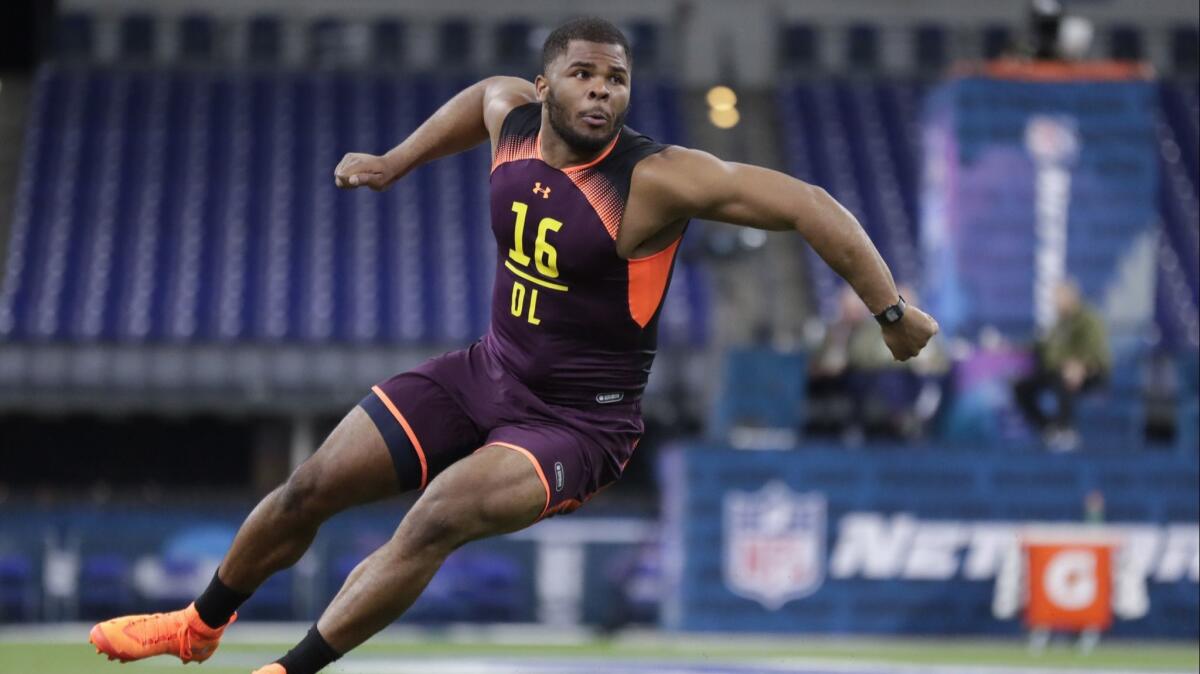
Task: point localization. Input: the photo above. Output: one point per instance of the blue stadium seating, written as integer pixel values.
(932, 52)
(800, 46)
(198, 207)
(645, 39)
(387, 43)
(1125, 43)
(861, 142)
(327, 42)
(1187, 424)
(761, 389)
(1185, 48)
(454, 42)
(137, 37)
(1179, 257)
(74, 36)
(265, 44)
(513, 44)
(18, 589)
(997, 39)
(197, 38)
(104, 587)
(862, 46)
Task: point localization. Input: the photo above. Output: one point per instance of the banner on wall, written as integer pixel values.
(825, 541)
(1027, 182)
(774, 545)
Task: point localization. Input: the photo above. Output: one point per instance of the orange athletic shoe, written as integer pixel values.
(180, 633)
(273, 668)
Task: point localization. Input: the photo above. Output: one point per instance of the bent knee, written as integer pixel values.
(305, 495)
(448, 522)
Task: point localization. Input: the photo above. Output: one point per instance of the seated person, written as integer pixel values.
(860, 390)
(1072, 358)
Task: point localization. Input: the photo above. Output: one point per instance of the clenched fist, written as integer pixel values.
(357, 169)
(906, 337)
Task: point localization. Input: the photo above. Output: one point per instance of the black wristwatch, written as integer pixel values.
(892, 314)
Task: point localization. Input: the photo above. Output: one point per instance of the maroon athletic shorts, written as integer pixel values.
(454, 404)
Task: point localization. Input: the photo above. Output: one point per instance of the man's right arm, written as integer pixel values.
(474, 115)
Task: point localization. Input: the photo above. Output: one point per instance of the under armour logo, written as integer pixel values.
(544, 191)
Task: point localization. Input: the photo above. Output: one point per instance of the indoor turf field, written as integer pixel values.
(54, 652)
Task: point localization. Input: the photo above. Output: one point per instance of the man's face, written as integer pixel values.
(586, 93)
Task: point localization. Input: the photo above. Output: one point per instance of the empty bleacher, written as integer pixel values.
(186, 206)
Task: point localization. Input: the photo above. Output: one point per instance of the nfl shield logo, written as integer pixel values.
(774, 544)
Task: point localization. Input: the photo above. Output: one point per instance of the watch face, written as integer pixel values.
(893, 314)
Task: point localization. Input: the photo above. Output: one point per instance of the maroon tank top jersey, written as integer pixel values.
(571, 319)
(560, 373)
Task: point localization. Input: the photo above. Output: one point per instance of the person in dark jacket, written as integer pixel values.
(1073, 357)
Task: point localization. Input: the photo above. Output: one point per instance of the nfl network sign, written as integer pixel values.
(774, 544)
(774, 547)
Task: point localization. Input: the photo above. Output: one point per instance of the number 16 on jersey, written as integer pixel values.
(545, 260)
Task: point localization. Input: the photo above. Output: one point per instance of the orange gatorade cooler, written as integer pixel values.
(1070, 581)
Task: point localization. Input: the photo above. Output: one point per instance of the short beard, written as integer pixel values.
(575, 140)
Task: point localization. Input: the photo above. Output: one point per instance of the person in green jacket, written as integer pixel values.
(1073, 357)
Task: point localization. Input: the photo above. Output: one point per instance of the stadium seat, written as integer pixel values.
(455, 43)
(862, 47)
(264, 41)
(183, 252)
(997, 40)
(1187, 422)
(74, 36)
(18, 587)
(931, 50)
(327, 46)
(104, 586)
(799, 47)
(1125, 44)
(1110, 422)
(1185, 49)
(762, 392)
(137, 38)
(388, 44)
(645, 39)
(514, 47)
(197, 38)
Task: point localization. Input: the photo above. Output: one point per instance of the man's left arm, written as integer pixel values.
(697, 184)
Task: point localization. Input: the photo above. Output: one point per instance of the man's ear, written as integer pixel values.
(541, 85)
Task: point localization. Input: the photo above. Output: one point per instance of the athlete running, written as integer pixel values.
(544, 410)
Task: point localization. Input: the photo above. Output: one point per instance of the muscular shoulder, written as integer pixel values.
(680, 180)
(500, 96)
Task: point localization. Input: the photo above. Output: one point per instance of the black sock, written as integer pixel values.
(219, 601)
(310, 655)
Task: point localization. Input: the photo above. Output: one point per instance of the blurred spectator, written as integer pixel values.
(1071, 359)
(831, 408)
(856, 387)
